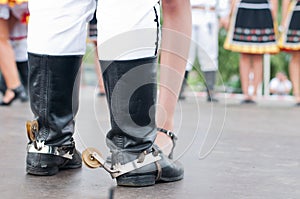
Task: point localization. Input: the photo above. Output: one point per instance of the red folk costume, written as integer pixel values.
(17, 7)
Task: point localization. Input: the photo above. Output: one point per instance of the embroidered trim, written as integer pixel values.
(256, 6)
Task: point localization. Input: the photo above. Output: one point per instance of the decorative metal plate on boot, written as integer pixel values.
(93, 159)
(52, 150)
(38, 146)
(136, 164)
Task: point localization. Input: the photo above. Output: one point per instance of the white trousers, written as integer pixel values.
(204, 43)
(126, 29)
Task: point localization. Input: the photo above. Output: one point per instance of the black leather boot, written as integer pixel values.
(131, 94)
(54, 97)
(210, 80)
(23, 72)
(2, 85)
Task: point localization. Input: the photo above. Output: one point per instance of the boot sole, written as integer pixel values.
(42, 171)
(136, 181)
(72, 166)
(171, 179)
(144, 180)
(49, 171)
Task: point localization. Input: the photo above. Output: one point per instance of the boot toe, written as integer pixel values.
(74, 163)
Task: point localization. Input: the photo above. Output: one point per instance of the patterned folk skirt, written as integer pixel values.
(252, 28)
(13, 2)
(290, 37)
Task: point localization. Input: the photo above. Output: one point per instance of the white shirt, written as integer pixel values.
(280, 87)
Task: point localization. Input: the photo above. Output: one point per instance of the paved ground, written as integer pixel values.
(257, 154)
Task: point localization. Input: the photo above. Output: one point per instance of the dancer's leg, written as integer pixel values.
(245, 68)
(174, 54)
(295, 74)
(257, 65)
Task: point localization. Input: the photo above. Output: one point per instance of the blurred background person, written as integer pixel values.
(10, 13)
(252, 34)
(207, 18)
(93, 32)
(18, 40)
(290, 41)
(280, 85)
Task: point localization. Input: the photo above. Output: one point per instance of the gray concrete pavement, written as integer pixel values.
(257, 154)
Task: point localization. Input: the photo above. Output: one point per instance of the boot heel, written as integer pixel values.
(136, 181)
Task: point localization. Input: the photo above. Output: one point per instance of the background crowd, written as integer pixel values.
(229, 39)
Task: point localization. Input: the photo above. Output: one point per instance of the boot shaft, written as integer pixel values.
(54, 92)
(131, 93)
(23, 72)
